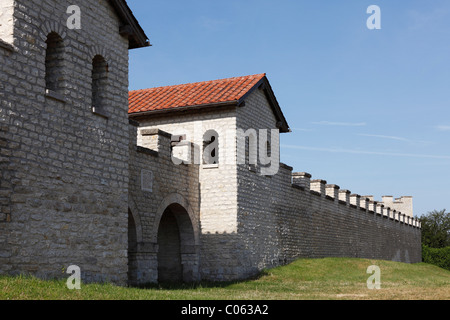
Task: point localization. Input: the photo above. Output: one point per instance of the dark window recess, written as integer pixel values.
(54, 63)
(99, 85)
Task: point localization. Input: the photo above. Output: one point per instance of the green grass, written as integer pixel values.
(305, 279)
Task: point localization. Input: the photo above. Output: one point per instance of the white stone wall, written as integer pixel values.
(257, 194)
(218, 183)
(218, 187)
(402, 204)
(171, 184)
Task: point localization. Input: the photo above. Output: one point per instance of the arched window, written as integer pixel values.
(211, 147)
(99, 85)
(54, 63)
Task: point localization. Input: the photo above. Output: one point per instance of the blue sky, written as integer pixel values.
(369, 109)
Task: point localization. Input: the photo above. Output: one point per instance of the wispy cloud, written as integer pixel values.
(302, 129)
(384, 137)
(344, 124)
(379, 153)
(416, 143)
(443, 128)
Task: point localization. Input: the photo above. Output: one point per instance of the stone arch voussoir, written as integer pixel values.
(171, 199)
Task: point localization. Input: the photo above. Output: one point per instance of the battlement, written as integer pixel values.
(160, 143)
(156, 140)
(398, 210)
(403, 204)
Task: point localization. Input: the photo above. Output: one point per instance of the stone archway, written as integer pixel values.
(139, 253)
(170, 268)
(177, 242)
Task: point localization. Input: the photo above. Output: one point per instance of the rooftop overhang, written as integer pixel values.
(265, 86)
(262, 85)
(130, 27)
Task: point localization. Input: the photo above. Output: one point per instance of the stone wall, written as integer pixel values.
(6, 175)
(6, 20)
(217, 189)
(287, 216)
(80, 187)
(156, 184)
(338, 228)
(249, 221)
(63, 168)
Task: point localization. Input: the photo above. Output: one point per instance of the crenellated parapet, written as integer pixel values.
(396, 210)
(403, 204)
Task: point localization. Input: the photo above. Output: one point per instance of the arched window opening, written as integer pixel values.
(54, 62)
(99, 85)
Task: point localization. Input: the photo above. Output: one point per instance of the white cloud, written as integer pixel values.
(384, 137)
(378, 153)
(443, 128)
(416, 143)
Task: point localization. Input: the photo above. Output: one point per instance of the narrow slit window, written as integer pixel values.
(54, 61)
(99, 85)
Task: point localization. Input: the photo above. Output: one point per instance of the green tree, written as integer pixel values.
(436, 229)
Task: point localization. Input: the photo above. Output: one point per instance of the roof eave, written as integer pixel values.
(233, 103)
(130, 26)
(264, 85)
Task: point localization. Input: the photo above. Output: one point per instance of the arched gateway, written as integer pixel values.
(172, 254)
(176, 233)
(177, 254)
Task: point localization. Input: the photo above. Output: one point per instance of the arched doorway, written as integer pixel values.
(177, 256)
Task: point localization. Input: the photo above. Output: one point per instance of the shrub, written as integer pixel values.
(436, 256)
(436, 229)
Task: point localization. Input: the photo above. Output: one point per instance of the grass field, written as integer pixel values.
(305, 279)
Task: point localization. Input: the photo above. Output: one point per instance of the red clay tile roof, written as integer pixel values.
(192, 94)
(231, 91)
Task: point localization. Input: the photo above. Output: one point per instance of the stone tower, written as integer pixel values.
(64, 136)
